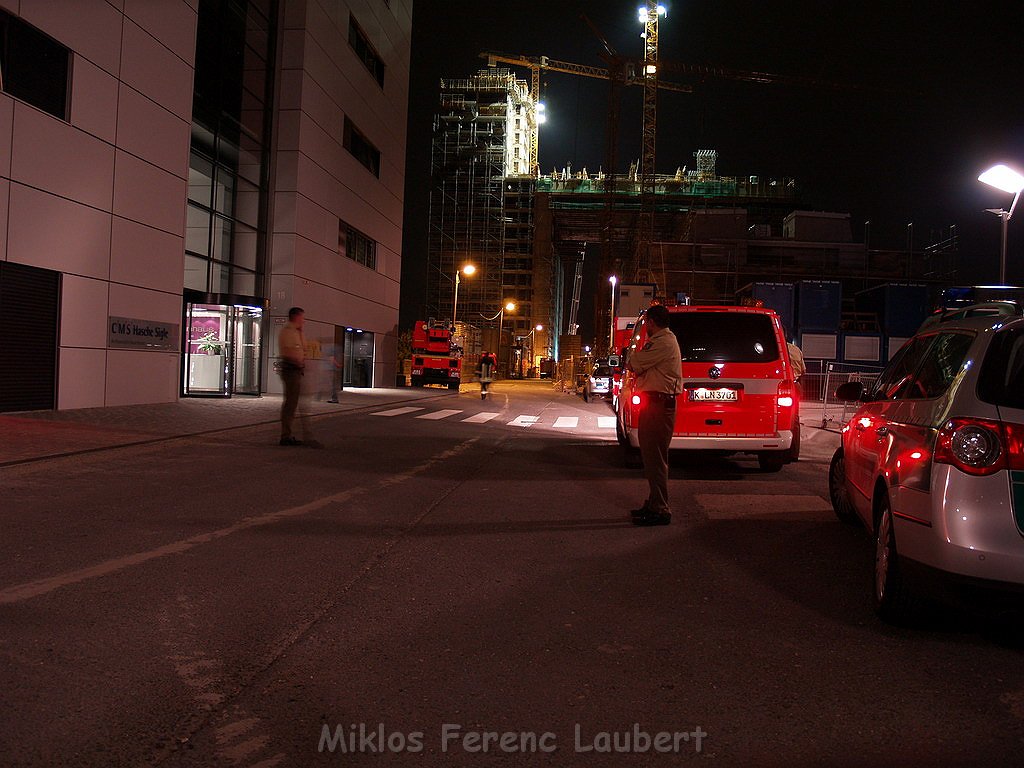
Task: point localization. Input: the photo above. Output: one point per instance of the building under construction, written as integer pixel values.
(481, 213)
(706, 237)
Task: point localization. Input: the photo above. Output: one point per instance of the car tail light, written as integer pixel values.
(974, 446)
(635, 400)
(787, 395)
(1013, 441)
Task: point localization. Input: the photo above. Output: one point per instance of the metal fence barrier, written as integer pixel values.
(836, 374)
(570, 373)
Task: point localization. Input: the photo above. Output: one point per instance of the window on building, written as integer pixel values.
(33, 67)
(365, 51)
(361, 149)
(353, 244)
(225, 234)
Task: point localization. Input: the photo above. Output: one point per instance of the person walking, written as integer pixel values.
(291, 346)
(659, 379)
(486, 370)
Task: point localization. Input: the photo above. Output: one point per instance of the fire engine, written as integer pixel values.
(436, 357)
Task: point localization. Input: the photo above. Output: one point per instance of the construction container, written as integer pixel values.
(780, 297)
(863, 348)
(819, 305)
(900, 307)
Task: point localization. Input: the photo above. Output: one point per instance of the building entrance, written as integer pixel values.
(223, 343)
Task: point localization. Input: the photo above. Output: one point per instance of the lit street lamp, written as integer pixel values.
(500, 317)
(467, 270)
(1008, 180)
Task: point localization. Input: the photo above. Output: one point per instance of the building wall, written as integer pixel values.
(319, 183)
(101, 197)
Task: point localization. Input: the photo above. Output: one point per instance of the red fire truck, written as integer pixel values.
(436, 358)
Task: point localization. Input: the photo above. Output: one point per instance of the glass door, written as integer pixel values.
(247, 325)
(207, 369)
(222, 350)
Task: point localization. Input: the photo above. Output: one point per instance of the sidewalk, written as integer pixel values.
(35, 435)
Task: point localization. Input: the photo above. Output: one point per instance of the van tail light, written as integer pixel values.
(787, 394)
(975, 446)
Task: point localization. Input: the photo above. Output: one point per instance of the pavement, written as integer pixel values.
(36, 435)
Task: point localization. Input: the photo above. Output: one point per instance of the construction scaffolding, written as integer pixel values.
(481, 210)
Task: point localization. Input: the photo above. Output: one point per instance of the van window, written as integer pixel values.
(725, 337)
(1002, 374)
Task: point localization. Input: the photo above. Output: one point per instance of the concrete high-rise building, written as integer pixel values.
(177, 174)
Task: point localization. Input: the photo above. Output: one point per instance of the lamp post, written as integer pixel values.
(500, 317)
(611, 317)
(529, 336)
(468, 269)
(1008, 180)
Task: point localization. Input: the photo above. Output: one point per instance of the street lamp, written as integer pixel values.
(1008, 180)
(467, 270)
(500, 317)
(611, 317)
(529, 336)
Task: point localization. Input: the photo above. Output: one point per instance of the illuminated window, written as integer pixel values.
(33, 67)
(361, 149)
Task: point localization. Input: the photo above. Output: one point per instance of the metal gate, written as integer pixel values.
(29, 316)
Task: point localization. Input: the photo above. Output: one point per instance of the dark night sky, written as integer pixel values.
(941, 103)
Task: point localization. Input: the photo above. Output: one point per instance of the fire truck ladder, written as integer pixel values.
(577, 285)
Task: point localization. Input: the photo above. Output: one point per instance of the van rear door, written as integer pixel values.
(732, 366)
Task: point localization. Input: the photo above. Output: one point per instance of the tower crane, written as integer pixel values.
(537, 64)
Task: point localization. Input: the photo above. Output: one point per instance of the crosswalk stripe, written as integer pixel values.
(480, 418)
(606, 422)
(396, 412)
(437, 415)
(523, 421)
(566, 422)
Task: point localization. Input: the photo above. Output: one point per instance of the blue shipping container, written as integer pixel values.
(819, 305)
(900, 307)
(778, 296)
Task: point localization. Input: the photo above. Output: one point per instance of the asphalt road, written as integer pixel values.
(440, 574)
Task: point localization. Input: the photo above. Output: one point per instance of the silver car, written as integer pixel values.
(932, 463)
(598, 383)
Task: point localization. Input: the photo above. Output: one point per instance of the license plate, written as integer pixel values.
(714, 395)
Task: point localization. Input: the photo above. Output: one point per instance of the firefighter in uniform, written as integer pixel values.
(659, 379)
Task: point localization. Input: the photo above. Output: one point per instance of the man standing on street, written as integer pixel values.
(291, 346)
(659, 379)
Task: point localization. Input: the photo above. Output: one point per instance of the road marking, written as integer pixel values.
(737, 506)
(437, 415)
(606, 422)
(480, 418)
(396, 412)
(20, 592)
(566, 422)
(523, 421)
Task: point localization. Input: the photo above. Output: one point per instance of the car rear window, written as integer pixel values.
(602, 370)
(1002, 374)
(725, 337)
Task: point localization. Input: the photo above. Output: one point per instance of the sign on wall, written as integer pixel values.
(128, 332)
